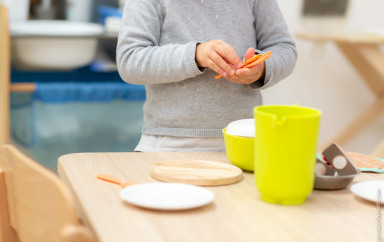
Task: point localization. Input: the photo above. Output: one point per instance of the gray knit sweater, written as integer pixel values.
(156, 47)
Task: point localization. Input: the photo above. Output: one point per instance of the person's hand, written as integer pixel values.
(248, 75)
(219, 56)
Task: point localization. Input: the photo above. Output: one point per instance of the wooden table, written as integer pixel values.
(365, 55)
(237, 213)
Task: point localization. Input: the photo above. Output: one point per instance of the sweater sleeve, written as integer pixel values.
(140, 59)
(272, 35)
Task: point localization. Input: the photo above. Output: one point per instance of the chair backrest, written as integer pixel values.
(35, 205)
(4, 75)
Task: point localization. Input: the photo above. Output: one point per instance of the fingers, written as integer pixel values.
(224, 58)
(247, 75)
(219, 56)
(219, 65)
(228, 54)
(249, 54)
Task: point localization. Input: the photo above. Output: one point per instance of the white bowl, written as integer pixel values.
(242, 127)
(54, 44)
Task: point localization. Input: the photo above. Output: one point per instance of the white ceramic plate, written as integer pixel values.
(368, 190)
(167, 196)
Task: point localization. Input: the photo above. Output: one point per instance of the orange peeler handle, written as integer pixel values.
(109, 178)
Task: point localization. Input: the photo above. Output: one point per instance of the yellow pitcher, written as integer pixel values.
(285, 152)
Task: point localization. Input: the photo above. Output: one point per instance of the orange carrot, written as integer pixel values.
(218, 76)
(256, 59)
(253, 59)
(264, 58)
(268, 53)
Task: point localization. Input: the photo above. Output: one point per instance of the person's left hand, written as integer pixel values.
(248, 75)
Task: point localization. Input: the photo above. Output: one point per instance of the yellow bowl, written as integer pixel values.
(240, 150)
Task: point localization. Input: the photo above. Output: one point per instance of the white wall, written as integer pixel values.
(324, 79)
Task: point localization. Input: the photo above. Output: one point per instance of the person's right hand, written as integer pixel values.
(219, 56)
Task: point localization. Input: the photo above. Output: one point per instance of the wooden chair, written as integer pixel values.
(35, 206)
(4, 75)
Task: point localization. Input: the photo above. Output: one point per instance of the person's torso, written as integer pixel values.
(202, 20)
(203, 102)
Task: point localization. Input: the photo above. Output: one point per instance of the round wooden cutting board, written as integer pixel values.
(196, 172)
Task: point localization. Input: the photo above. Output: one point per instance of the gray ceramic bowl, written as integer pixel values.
(333, 182)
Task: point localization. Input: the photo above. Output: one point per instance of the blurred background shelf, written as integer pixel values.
(60, 104)
(76, 111)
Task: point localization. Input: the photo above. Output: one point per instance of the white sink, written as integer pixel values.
(54, 45)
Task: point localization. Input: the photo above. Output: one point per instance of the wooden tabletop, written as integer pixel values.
(237, 213)
(359, 38)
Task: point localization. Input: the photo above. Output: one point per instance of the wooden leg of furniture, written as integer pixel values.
(368, 61)
(362, 121)
(367, 58)
(379, 150)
